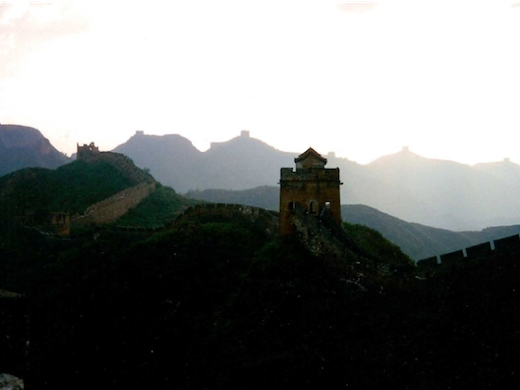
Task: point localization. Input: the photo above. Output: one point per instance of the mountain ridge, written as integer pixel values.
(439, 193)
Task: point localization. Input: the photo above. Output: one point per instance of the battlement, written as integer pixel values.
(504, 247)
(301, 174)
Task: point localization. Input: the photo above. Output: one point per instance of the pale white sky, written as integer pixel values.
(442, 77)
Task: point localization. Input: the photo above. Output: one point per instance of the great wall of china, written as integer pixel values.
(110, 209)
(504, 247)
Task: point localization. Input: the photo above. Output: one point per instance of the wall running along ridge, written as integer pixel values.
(110, 209)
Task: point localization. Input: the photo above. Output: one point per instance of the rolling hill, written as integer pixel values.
(98, 187)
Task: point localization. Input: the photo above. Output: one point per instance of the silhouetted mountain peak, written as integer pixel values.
(244, 142)
(141, 142)
(504, 164)
(19, 136)
(22, 147)
(407, 161)
(505, 170)
(403, 157)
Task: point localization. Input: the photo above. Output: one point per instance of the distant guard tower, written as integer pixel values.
(312, 188)
(86, 151)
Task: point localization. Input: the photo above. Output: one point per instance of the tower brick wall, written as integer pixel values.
(311, 187)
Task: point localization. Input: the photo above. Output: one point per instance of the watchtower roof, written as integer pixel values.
(310, 159)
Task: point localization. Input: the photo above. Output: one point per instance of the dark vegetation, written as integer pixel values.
(217, 300)
(70, 188)
(376, 245)
(214, 301)
(13, 333)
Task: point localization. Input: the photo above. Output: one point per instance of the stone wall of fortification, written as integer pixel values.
(110, 209)
(312, 189)
(505, 247)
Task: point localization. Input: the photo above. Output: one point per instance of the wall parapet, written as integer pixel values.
(500, 247)
(246, 210)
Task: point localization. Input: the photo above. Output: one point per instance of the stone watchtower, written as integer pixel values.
(312, 188)
(87, 151)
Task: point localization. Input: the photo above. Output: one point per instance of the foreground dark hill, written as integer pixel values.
(215, 300)
(22, 147)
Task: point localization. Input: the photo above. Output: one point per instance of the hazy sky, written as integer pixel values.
(442, 77)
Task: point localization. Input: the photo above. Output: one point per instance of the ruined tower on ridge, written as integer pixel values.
(311, 189)
(86, 151)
